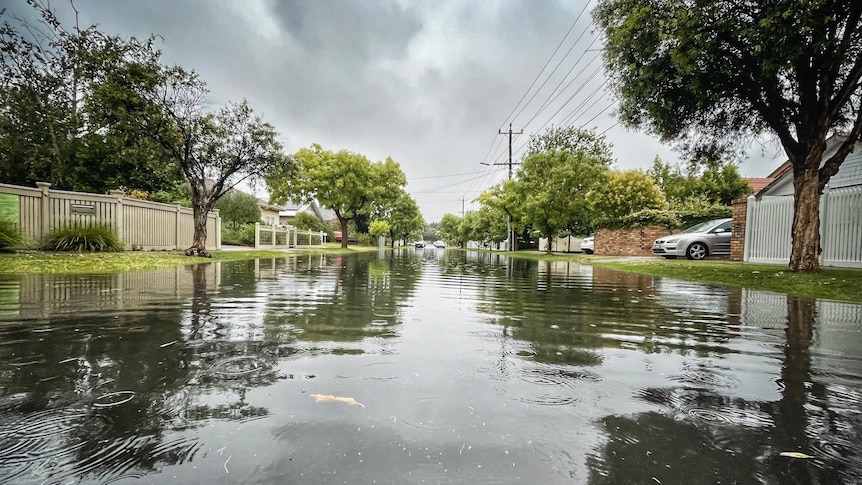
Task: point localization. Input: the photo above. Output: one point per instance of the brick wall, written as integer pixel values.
(737, 238)
(628, 242)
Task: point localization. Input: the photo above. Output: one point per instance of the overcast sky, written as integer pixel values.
(429, 83)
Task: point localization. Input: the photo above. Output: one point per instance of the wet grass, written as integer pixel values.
(55, 262)
(826, 283)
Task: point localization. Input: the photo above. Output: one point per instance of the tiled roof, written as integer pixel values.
(758, 183)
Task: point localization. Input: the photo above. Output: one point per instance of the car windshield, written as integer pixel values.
(703, 226)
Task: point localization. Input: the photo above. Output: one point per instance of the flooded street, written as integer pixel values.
(423, 366)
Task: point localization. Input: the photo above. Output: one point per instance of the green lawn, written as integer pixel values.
(827, 283)
(119, 262)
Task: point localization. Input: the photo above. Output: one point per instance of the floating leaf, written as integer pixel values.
(794, 454)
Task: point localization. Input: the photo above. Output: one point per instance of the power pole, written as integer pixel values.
(462, 206)
(510, 133)
(509, 235)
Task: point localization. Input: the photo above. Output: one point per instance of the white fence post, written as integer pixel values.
(257, 235)
(45, 187)
(749, 227)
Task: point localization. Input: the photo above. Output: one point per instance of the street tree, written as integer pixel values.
(722, 72)
(449, 228)
(570, 139)
(554, 186)
(216, 151)
(346, 182)
(626, 192)
(402, 214)
(236, 208)
(498, 206)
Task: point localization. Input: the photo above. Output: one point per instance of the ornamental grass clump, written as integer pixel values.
(10, 237)
(84, 237)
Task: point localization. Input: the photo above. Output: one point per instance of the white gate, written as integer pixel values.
(768, 228)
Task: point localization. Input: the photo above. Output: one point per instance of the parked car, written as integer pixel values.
(419, 244)
(439, 244)
(710, 238)
(588, 244)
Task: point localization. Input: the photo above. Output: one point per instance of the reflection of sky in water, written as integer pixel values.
(472, 367)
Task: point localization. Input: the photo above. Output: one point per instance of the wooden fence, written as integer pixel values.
(284, 237)
(140, 224)
(769, 220)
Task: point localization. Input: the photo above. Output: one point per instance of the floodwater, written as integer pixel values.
(422, 366)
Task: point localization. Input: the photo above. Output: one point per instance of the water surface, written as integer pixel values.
(422, 366)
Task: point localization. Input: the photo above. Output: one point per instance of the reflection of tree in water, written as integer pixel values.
(357, 297)
(705, 437)
(567, 319)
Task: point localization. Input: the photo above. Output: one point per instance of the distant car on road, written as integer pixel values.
(419, 244)
(588, 244)
(439, 244)
(710, 238)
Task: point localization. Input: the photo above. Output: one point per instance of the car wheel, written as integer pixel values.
(588, 251)
(696, 251)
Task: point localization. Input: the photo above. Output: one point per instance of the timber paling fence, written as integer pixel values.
(284, 237)
(139, 224)
(769, 221)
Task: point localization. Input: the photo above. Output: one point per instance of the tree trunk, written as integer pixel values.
(343, 222)
(805, 249)
(199, 241)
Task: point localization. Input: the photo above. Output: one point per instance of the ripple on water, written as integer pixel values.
(240, 366)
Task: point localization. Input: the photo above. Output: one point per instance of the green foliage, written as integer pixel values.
(680, 216)
(627, 192)
(10, 237)
(240, 235)
(238, 208)
(713, 180)
(84, 237)
(402, 214)
(570, 139)
(56, 121)
(363, 239)
(378, 228)
(449, 228)
(346, 182)
(552, 188)
(310, 222)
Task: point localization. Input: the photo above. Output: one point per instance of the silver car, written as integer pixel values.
(710, 238)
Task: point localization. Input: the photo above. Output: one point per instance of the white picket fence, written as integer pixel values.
(284, 237)
(769, 220)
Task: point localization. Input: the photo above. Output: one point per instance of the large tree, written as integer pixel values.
(719, 72)
(554, 186)
(216, 151)
(55, 123)
(346, 182)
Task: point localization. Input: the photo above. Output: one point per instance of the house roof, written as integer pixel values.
(785, 169)
(264, 204)
(758, 183)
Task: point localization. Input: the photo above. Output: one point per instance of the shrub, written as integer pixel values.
(84, 237)
(680, 216)
(365, 240)
(241, 236)
(10, 236)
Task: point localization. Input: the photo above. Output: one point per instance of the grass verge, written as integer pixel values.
(826, 283)
(120, 262)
